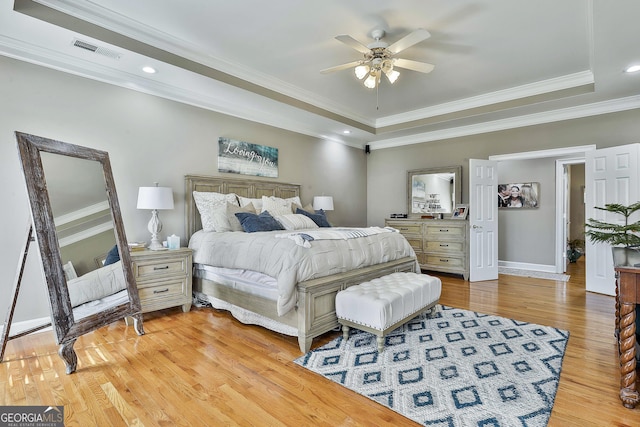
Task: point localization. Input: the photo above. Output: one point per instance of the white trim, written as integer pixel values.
(85, 234)
(81, 213)
(554, 152)
(577, 112)
(528, 266)
(533, 89)
(25, 325)
(561, 196)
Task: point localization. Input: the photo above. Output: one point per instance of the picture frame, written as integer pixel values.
(460, 212)
(519, 195)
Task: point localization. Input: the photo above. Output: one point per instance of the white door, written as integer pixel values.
(611, 176)
(483, 220)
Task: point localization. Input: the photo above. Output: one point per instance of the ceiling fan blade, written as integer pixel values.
(340, 67)
(351, 42)
(409, 40)
(421, 67)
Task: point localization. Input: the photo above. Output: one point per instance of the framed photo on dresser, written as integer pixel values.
(460, 212)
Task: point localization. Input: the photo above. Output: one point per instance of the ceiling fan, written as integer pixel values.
(380, 57)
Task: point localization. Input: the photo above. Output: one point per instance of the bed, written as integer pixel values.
(310, 311)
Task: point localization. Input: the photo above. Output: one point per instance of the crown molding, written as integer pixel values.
(587, 110)
(525, 91)
(81, 213)
(91, 11)
(215, 100)
(85, 234)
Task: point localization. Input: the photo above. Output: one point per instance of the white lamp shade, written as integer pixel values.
(323, 202)
(155, 198)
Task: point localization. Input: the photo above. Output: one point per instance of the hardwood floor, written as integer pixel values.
(205, 368)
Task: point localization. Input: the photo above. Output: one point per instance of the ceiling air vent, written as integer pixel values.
(109, 53)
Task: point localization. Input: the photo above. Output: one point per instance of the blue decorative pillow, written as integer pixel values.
(264, 222)
(112, 257)
(319, 217)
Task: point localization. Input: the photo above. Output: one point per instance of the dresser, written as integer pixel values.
(440, 244)
(163, 278)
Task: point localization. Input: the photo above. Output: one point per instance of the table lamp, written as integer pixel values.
(323, 202)
(155, 198)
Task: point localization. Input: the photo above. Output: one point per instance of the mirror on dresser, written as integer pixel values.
(433, 191)
(80, 234)
(440, 243)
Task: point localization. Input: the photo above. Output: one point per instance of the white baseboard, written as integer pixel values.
(25, 325)
(528, 266)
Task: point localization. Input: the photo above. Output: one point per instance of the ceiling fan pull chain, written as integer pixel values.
(377, 98)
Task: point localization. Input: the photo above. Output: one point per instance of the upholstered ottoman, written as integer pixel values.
(381, 305)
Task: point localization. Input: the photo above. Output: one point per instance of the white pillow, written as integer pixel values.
(295, 222)
(277, 206)
(206, 202)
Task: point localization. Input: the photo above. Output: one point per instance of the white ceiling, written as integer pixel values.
(499, 63)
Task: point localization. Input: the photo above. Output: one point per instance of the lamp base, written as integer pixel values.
(155, 227)
(155, 245)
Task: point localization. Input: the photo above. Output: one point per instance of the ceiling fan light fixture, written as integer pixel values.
(370, 81)
(392, 76)
(361, 71)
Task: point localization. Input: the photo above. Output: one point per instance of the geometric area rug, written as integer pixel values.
(452, 368)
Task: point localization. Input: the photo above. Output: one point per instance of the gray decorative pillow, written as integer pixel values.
(224, 218)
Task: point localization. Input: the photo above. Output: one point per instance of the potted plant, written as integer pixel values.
(575, 249)
(623, 238)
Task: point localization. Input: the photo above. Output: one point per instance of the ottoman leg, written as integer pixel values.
(345, 332)
(380, 341)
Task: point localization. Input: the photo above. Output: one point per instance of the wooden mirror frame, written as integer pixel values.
(457, 187)
(66, 328)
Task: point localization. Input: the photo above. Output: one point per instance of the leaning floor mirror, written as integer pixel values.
(79, 230)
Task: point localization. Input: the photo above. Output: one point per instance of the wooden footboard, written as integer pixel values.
(316, 310)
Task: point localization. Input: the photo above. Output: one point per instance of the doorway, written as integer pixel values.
(570, 156)
(570, 207)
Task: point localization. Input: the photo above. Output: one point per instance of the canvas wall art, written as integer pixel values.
(246, 158)
(519, 195)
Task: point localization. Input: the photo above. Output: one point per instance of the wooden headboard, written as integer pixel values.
(251, 188)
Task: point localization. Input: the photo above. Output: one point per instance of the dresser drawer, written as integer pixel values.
(437, 232)
(163, 289)
(444, 261)
(160, 267)
(444, 246)
(415, 242)
(408, 228)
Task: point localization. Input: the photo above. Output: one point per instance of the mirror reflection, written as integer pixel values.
(86, 236)
(433, 191)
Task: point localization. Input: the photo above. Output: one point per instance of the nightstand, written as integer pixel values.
(163, 278)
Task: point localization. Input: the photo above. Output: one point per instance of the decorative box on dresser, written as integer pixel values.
(163, 278)
(440, 244)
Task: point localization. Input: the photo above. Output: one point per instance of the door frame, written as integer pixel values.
(574, 152)
(562, 201)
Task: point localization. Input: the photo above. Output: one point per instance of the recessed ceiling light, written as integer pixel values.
(632, 69)
(149, 70)
(346, 132)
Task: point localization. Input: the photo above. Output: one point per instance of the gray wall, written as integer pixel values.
(387, 168)
(522, 232)
(148, 139)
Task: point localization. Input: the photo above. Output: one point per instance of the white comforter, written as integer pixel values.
(290, 263)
